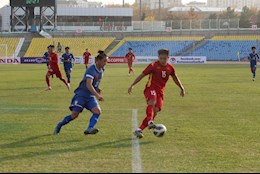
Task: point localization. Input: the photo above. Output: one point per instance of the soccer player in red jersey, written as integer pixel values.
(86, 56)
(53, 68)
(130, 56)
(159, 73)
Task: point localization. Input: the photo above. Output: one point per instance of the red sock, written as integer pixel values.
(149, 116)
(48, 81)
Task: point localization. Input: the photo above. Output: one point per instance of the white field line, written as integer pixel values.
(136, 157)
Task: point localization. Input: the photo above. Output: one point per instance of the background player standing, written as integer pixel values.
(68, 62)
(46, 57)
(86, 95)
(86, 56)
(253, 57)
(53, 68)
(130, 56)
(159, 73)
(59, 47)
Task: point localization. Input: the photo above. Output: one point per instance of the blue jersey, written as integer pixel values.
(253, 57)
(68, 57)
(94, 74)
(45, 56)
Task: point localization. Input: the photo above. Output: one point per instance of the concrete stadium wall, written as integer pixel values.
(120, 35)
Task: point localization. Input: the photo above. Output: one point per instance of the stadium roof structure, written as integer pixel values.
(200, 9)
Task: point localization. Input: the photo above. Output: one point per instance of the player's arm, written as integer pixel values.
(178, 83)
(92, 89)
(73, 59)
(148, 70)
(62, 59)
(137, 80)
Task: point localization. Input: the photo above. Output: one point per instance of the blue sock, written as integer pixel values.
(66, 120)
(68, 77)
(93, 121)
(254, 74)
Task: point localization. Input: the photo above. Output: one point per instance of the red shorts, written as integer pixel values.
(130, 63)
(56, 72)
(151, 94)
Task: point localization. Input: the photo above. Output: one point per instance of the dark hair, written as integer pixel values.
(101, 55)
(253, 48)
(67, 48)
(51, 46)
(164, 52)
(130, 48)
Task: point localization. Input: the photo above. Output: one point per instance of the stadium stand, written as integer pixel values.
(228, 48)
(148, 46)
(11, 44)
(78, 45)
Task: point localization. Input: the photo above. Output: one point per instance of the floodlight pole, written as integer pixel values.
(140, 10)
(159, 9)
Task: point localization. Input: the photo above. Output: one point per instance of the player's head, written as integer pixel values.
(163, 55)
(254, 49)
(67, 50)
(51, 48)
(130, 49)
(101, 59)
(87, 49)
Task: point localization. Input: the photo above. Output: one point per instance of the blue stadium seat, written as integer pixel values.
(150, 48)
(224, 50)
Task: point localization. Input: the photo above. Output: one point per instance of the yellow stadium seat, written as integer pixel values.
(77, 46)
(11, 43)
(252, 37)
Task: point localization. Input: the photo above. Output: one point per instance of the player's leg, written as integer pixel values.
(94, 107)
(76, 107)
(68, 71)
(131, 67)
(130, 64)
(59, 75)
(151, 98)
(253, 70)
(47, 78)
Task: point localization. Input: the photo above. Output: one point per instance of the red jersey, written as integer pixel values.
(130, 56)
(86, 56)
(53, 61)
(158, 76)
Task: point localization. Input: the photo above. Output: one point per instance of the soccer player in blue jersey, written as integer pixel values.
(253, 57)
(86, 96)
(68, 62)
(46, 56)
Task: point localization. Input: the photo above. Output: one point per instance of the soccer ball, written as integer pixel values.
(160, 130)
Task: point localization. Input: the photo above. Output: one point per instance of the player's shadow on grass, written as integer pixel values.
(121, 143)
(26, 142)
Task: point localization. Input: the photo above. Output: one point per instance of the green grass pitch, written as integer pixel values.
(214, 128)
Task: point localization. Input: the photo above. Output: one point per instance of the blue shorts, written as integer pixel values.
(67, 69)
(253, 65)
(78, 103)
